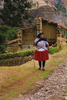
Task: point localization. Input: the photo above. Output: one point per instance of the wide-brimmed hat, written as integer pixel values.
(39, 33)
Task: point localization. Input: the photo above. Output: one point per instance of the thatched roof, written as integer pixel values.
(28, 27)
(53, 22)
(13, 41)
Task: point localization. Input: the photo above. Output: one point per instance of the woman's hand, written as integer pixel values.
(33, 43)
(48, 51)
(48, 48)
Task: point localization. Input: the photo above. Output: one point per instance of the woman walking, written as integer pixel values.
(41, 53)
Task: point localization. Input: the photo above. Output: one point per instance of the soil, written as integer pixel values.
(53, 88)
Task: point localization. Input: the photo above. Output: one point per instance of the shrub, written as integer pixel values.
(53, 50)
(25, 53)
(17, 54)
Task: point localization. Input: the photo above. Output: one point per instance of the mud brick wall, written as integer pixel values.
(26, 38)
(12, 47)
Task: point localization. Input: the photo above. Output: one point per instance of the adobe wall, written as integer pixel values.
(26, 38)
(12, 47)
(29, 35)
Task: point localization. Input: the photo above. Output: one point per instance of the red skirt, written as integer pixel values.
(41, 55)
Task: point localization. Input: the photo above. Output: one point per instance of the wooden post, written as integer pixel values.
(65, 34)
(19, 40)
(59, 38)
(39, 25)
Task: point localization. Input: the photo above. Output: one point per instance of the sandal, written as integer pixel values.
(43, 69)
(39, 68)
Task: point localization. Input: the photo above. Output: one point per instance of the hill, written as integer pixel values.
(64, 2)
(47, 12)
(42, 2)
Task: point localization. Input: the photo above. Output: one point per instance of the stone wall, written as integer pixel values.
(26, 37)
(13, 47)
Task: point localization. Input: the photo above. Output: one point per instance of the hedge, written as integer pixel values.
(25, 53)
(17, 54)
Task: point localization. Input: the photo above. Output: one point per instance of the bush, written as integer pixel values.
(53, 50)
(25, 53)
(7, 34)
(17, 54)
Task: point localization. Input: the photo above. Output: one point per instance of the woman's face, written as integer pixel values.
(41, 36)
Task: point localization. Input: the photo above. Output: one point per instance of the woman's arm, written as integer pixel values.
(48, 48)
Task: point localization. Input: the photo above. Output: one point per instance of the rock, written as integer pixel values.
(52, 88)
(5, 77)
(63, 85)
(50, 92)
(47, 89)
(20, 95)
(65, 97)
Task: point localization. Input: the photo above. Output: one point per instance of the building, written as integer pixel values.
(53, 31)
(12, 46)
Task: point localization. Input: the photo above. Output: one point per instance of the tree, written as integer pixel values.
(59, 6)
(37, 4)
(46, 2)
(12, 33)
(7, 34)
(3, 39)
(14, 11)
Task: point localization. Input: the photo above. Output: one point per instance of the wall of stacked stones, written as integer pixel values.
(27, 37)
(12, 47)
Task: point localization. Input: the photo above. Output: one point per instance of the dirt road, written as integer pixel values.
(53, 88)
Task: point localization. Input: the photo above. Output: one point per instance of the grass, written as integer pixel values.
(58, 62)
(8, 99)
(22, 78)
(30, 82)
(4, 62)
(48, 71)
(12, 93)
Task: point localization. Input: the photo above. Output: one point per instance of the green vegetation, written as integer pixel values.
(13, 12)
(27, 76)
(17, 54)
(3, 38)
(59, 6)
(7, 34)
(46, 1)
(24, 53)
(54, 50)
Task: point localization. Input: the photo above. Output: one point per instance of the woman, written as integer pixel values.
(41, 53)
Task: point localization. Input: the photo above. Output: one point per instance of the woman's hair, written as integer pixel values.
(39, 35)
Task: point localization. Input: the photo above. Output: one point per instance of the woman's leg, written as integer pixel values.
(39, 65)
(44, 65)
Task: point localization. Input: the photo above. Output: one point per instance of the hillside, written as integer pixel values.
(41, 2)
(48, 13)
(64, 2)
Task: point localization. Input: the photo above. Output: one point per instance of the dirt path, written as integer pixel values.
(53, 88)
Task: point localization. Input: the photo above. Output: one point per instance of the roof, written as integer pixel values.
(13, 41)
(28, 27)
(53, 22)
